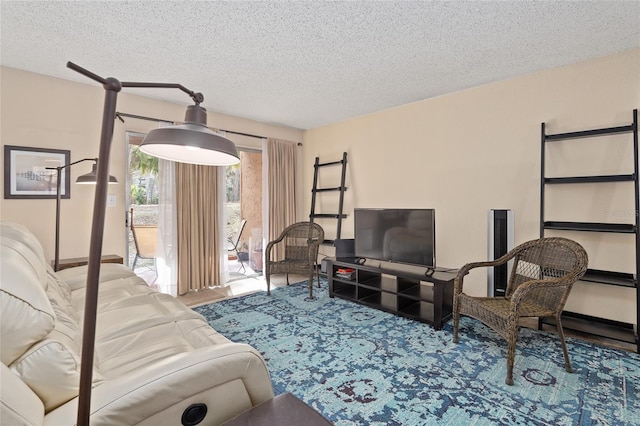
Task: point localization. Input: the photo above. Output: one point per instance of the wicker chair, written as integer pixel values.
(299, 244)
(541, 278)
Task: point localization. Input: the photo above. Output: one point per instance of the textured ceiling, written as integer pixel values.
(308, 64)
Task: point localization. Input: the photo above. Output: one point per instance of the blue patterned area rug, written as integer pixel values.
(361, 366)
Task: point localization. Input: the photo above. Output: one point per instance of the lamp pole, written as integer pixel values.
(56, 263)
(59, 169)
(111, 87)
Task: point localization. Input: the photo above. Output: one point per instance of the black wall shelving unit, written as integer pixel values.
(339, 215)
(585, 323)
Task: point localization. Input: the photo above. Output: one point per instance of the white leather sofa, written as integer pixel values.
(154, 357)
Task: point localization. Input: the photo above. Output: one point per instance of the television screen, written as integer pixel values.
(396, 235)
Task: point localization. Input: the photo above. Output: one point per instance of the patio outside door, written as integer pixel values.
(244, 201)
(142, 207)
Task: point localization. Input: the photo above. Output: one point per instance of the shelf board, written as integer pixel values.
(591, 179)
(337, 188)
(344, 280)
(622, 279)
(345, 291)
(331, 163)
(412, 292)
(622, 228)
(595, 326)
(590, 133)
(372, 299)
(328, 215)
(372, 283)
(419, 293)
(420, 310)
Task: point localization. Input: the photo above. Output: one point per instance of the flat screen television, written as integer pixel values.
(396, 235)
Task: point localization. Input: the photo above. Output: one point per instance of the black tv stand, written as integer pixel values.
(409, 292)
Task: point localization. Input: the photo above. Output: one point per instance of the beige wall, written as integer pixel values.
(468, 152)
(40, 111)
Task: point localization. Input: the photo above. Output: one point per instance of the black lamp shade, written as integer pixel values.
(192, 142)
(91, 177)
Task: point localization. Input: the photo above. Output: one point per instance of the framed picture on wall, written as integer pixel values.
(26, 174)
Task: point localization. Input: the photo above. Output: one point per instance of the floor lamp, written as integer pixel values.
(88, 178)
(192, 142)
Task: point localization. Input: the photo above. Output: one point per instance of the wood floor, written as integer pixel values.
(241, 281)
(237, 287)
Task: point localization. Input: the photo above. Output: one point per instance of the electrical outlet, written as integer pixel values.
(111, 200)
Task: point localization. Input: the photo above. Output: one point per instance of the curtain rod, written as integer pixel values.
(119, 116)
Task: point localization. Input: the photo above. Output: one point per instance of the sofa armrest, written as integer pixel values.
(18, 404)
(228, 378)
(76, 277)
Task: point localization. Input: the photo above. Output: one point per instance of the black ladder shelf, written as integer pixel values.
(340, 189)
(590, 324)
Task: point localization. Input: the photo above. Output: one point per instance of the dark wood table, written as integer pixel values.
(282, 410)
(79, 261)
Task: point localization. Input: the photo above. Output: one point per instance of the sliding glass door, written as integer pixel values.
(142, 209)
(244, 202)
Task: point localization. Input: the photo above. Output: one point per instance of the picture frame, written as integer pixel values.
(26, 175)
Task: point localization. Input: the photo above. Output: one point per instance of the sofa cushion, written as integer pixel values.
(21, 233)
(137, 325)
(45, 355)
(51, 367)
(30, 258)
(60, 296)
(76, 278)
(23, 301)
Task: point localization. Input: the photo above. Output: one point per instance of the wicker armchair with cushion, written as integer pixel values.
(295, 251)
(541, 278)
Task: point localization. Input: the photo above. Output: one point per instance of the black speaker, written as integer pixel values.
(345, 248)
(323, 266)
(501, 231)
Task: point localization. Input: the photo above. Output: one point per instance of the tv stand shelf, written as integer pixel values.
(422, 297)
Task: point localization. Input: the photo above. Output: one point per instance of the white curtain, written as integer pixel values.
(167, 260)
